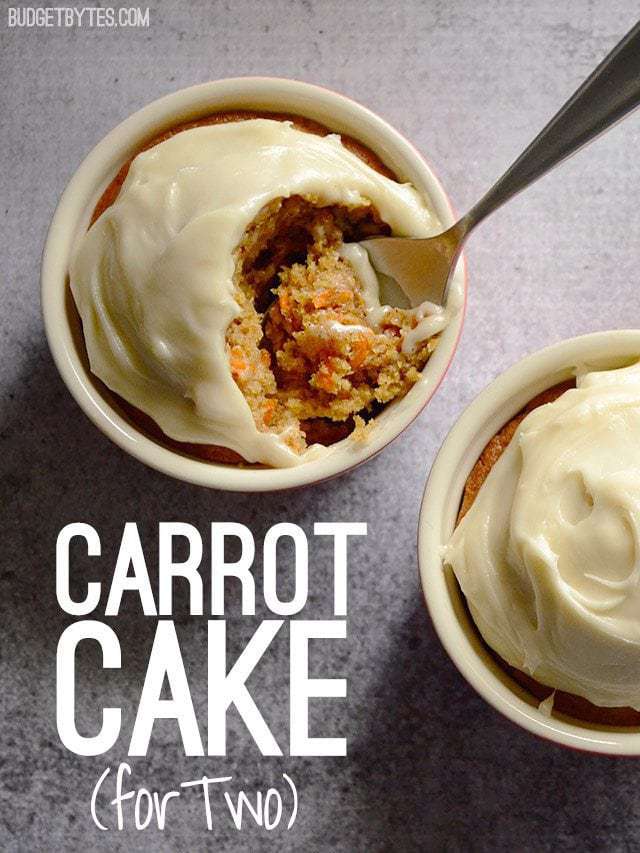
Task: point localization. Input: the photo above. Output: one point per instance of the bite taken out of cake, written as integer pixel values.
(224, 298)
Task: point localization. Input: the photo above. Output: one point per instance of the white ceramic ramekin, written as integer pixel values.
(490, 411)
(98, 169)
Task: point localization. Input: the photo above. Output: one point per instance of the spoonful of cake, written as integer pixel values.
(423, 267)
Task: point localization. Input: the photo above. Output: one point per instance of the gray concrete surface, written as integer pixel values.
(430, 766)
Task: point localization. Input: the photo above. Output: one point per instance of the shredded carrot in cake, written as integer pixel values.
(302, 350)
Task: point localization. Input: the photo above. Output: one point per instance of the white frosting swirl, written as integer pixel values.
(152, 278)
(548, 556)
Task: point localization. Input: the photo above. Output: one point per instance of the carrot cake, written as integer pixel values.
(225, 299)
(546, 550)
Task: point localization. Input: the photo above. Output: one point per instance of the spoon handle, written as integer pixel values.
(604, 98)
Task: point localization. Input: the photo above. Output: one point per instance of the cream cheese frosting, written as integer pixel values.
(153, 277)
(548, 555)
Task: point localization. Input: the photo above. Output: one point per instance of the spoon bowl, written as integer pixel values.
(405, 260)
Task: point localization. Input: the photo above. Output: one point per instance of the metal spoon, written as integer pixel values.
(423, 267)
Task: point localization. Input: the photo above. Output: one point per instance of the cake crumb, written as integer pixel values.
(302, 349)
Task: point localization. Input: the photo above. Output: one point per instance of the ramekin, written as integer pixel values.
(72, 216)
(486, 415)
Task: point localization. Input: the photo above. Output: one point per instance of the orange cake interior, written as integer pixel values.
(302, 350)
